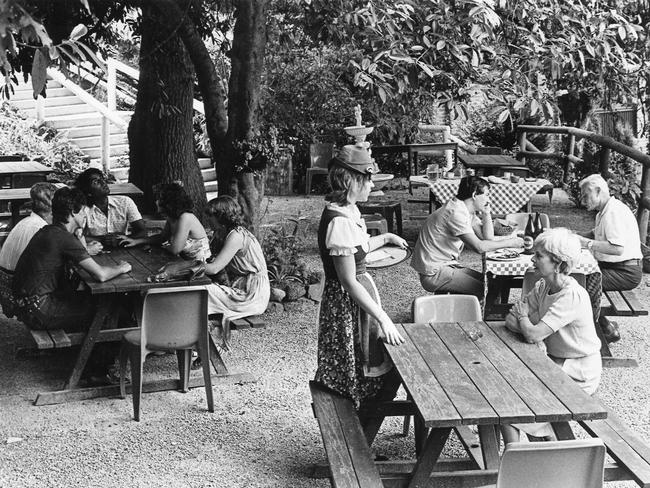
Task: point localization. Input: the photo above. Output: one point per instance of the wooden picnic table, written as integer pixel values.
(475, 373)
(489, 163)
(17, 174)
(104, 325)
(18, 196)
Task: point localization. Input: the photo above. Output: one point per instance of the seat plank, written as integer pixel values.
(256, 321)
(60, 338)
(619, 304)
(501, 396)
(238, 324)
(350, 458)
(541, 401)
(427, 393)
(581, 405)
(632, 300)
(619, 449)
(461, 390)
(42, 339)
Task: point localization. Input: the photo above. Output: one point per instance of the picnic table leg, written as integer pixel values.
(563, 431)
(429, 457)
(489, 445)
(371, 425)
(106, 313)
(215, 357)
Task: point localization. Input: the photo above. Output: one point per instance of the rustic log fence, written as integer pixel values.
(568, 158)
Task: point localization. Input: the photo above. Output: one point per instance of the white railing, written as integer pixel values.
(109, 111)
(107, 114)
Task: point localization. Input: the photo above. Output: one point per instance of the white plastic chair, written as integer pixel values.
(575, 463)
(446, 308)
(171, 319)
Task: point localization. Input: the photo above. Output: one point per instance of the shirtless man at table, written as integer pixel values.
(614, 242)
(464, 220)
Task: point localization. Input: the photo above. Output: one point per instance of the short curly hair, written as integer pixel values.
(84, 180)
(227, 211)
(563, 247)
(174, 200)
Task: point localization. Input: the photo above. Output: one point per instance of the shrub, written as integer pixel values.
(44, 144)
(282, 244)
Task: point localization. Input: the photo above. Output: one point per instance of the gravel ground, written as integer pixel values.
(262, 434)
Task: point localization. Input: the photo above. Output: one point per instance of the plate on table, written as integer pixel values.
(530, 180)
(386, 256)
(505, 254)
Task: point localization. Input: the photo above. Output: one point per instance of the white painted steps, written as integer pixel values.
(81, 124)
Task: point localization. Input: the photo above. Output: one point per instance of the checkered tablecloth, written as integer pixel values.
(518, 267)
(587, 265)
(505, 198)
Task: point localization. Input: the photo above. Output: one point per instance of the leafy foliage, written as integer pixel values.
(43, 144)
(282, 244)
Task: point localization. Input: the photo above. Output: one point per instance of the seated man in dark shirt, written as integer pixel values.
(45, 297)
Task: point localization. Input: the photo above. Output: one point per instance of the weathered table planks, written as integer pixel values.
(104, 325)
(472, 373)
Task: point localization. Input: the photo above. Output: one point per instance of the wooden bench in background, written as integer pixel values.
(623, 303)
(59, 339)
(630, 452)
(348, 453)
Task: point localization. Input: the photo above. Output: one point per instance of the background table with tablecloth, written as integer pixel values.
(505, 198)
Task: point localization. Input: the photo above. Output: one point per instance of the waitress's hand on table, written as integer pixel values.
(391, 335)
(513, 242)
(396, 240)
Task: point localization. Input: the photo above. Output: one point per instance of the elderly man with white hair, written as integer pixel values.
(614, 242)
(558, 312)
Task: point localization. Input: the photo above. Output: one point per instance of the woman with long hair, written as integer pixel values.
(183, 230)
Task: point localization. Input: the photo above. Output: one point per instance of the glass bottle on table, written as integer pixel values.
(538, 225)
(529, 235)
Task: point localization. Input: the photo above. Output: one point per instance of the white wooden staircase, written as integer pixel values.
(71, 110)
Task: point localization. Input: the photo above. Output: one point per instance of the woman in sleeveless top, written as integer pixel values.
(241, 256)
(352, 323)
(183, 231)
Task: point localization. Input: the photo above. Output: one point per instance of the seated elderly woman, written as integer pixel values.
(558, 312)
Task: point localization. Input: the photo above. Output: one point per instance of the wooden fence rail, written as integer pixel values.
(607, 143)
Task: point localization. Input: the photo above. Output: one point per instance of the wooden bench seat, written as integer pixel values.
(59, 339)
(254, 321)
(631, 454)
(624, 303)
(349, 456)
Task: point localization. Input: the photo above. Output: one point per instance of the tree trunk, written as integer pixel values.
(247, 61)
(212, 91)
(161, 138)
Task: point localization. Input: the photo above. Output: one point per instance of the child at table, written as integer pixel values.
(183, 230)
(241, 256)
(558, 312)
(351, 319)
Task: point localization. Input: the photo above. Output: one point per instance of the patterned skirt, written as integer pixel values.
(340, 365)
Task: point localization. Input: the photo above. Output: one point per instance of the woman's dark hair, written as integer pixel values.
(341, 180)
(227, 211)
(174, 200)
(84, 180)
(471, 185)
(65, 202)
